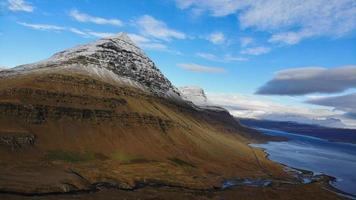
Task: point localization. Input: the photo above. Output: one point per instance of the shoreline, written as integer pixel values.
(325, 179)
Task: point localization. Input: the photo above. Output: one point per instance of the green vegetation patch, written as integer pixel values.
(127, 158)
(69, 156)
(181, 162)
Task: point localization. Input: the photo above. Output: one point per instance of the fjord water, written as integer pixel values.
(316, 155)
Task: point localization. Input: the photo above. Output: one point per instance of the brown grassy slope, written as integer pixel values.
(88, 131)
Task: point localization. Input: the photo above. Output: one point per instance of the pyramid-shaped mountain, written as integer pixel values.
(102, 115)
(115, 57)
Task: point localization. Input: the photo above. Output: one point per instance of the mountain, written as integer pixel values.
(101, 116)
(194, 94)
(328, 133)
(112, 59)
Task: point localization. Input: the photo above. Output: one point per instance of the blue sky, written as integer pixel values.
(229, 47)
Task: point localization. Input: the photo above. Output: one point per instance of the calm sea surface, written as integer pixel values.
(317, 155)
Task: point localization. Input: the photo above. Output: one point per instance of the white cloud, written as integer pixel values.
(89, 33)
(55, 28)
(100, 34)
(289, 38)
(20, 5)
(217, 38)
(201, 68)
(83, 17)
(207, 56)
(78, 32)
(251, 106)
(155, 46)
(216, 8)
(141, 41)
(150, 26)
(230, 58)
(289, 21)
(138, 39)
(255, 51)
(225, 58)
(43, 27)
(147, 43)
(245, 41)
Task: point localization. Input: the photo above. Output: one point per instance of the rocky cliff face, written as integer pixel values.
(115, 57)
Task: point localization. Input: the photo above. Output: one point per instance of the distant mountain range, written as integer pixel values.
(331, 134)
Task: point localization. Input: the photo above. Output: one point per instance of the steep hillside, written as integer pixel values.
(102, 115)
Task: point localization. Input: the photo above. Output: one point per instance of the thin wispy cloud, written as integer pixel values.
(225, 58)
(140, 40)
(100, 34)
(301, 81)
(246, 41)
(79, 32)
(201, 68)
(20, 5)
(147, 43)
(231, 58)
(215, 8)
(255, 51)
(152, 27)
(216, 38)
(55, 28)
(155, 46)
(289, 21)
(83, 17)
(289, 38)
(43, 27)
(89, 33)
(207, 56)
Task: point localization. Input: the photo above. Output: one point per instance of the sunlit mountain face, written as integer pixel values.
(176, 99)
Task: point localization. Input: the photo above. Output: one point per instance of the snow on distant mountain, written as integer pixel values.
(197, 96)
(194, 94)
(114, 58)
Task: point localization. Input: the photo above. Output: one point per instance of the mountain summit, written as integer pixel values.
(115, 57)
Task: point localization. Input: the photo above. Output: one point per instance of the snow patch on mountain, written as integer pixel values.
(197, 96)
(194, 94)
(114, 58)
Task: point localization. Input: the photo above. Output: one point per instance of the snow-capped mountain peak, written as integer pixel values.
(115, 57)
